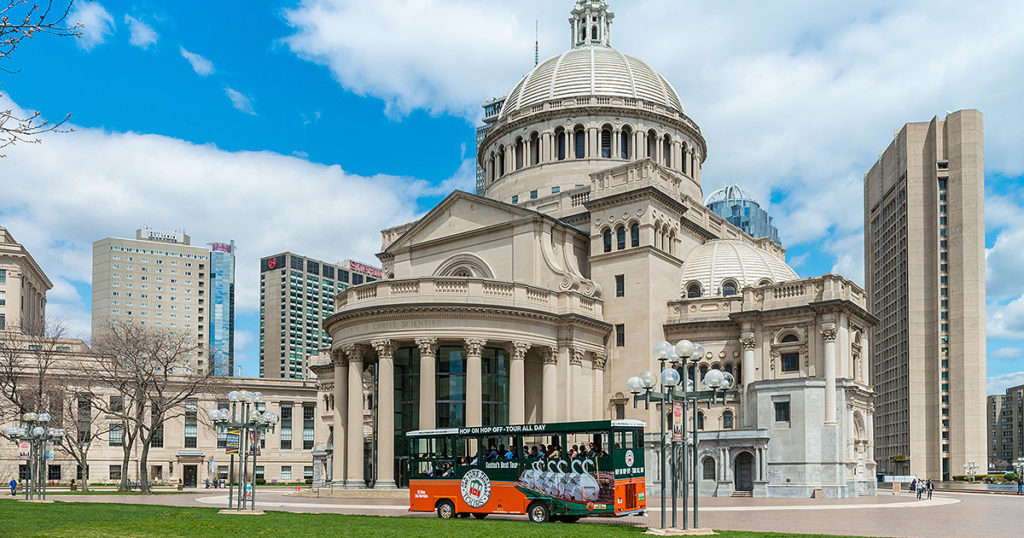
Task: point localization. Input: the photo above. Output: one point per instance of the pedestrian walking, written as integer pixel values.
(931, 488)
(14, 487)
(1020, 485)
(920, 489)
(913, 485)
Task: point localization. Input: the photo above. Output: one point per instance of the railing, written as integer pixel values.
(786, 292)
(580, 199)
(470, 291)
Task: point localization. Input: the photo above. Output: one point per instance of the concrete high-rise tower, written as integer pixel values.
(924, 255)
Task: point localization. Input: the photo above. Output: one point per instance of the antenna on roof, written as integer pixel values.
(536, 44)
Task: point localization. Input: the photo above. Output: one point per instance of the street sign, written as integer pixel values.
(677, 422)
(232, 441)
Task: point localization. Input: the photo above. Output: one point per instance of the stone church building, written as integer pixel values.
(536, 300)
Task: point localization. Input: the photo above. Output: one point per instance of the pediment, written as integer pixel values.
(459, 213)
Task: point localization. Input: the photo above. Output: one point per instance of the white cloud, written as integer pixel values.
(142, 34)
(998, 384)
(1006, 353)
(1005, 321)
(200, 65)
(1003, 263)
(240, 101)
(96, 23)
(265, 201)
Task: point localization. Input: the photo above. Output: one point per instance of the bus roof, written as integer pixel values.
(512, 429)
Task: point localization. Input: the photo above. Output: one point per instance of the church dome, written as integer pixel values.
(725, 266)
(592, 70)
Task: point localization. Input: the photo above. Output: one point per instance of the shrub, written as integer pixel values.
(261, 482)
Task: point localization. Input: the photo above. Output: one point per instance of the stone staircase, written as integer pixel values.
(742, 494)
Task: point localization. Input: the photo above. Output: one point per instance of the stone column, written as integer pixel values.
(616, 144)
(828, 333)
(517, 382)
(546, 148)
(575, 412)
(354, 424)
(550, 386)
(385, 414)
(340, 415)
(474, 381)
(428, 382)
(600, 403)
(688, 161)
(13, 311)
(747, 410)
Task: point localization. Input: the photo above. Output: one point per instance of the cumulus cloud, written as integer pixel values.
(1003, 263)
(1006, 320)
(1006, 353)
(265, 201)
(998, 384)
(200, 65)
(96, 23)
(142, 34)
(240, 101)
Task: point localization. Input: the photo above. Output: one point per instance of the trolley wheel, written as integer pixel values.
(479, 516)
(538, 512)
(445, 509)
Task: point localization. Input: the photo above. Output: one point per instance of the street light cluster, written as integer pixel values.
(34, 429)
(680, 357)
(242, 418)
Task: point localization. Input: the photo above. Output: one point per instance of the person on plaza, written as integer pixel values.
(14, 487)
(920, 489)
(931, 488)
(913, 484)
(207, 482)
(1020, 484)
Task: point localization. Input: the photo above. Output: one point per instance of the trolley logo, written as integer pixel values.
(476, 488)
(629, 458)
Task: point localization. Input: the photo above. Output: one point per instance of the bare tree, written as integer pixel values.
(156, 372)
(30, 377)
(21, 20)
(83, 425)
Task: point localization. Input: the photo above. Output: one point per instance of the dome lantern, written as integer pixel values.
(591, 24)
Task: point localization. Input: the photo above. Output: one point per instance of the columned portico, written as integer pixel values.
(340, 415)
(354, 472)
(474, 381)
(550, 384)
(385, 413)
(517, 383)
(598, 411)
(747, 411)
(428, 388)
(828, 334)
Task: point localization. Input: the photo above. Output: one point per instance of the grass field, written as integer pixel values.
(102, 519)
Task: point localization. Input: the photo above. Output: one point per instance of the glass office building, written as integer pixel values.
(741, 209)
(222, 308)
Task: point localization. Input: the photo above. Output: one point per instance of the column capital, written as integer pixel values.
(383, 347)
(549, 354)
(600, 359)
(576, 356)
(747, 340)
(354, 352)
(518, 349)
(475, 346)
(428, 346)
(338, 357)
(828, 330)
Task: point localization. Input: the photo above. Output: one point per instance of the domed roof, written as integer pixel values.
(715, 262)
(730, 192)
(591, 70)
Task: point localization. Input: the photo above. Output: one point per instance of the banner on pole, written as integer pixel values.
(49, 451)
(677, 422)
(232, 441)
(24, 449)
(254, 443)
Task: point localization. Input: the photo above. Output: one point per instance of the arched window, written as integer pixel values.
(652, 145)
(534, 148)
(624, 143)
(728, 368)
(671, 241)
(634, 234)
(727, 420)
(606, 143)
(790, 338)
(764, 282)
(700, 420)
(501, 162)
(664, 239)
(593, 33)
(739, 376)
(728, 288)
(560, 137)
(693, 291)
(620, 237)
(709, 467)
(580, 143)
(583, 31)
(519, 153)
(492, 168)
(667, 150)
(607, 240)
(682, 159)
(703, 372)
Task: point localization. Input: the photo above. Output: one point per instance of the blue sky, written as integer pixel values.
(310, 125)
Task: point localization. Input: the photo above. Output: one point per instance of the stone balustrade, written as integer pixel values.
(471, 291)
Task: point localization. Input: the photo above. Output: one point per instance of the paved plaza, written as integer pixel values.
(947, 514)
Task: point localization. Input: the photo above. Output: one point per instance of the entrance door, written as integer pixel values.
(190, 476)
(744, 472)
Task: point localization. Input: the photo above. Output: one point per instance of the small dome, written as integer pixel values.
(716, 264)
(591, 71)
(730, 192)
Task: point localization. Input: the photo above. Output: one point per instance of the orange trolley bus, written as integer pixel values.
(527, 469)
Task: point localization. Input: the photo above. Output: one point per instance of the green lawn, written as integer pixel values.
(102, 519)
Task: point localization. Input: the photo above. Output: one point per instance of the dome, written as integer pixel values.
(730, 192)
(716, 262)
(594, 70)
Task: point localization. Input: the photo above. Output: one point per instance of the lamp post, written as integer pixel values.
(33, 430)
(642, 387)
(971, 467)
(244, 417)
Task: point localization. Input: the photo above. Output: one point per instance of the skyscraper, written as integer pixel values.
(296, 294)
(742, 210)
(222, 308)
(924, 254)
(157, 279)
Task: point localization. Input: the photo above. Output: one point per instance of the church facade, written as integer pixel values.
(537, 300)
